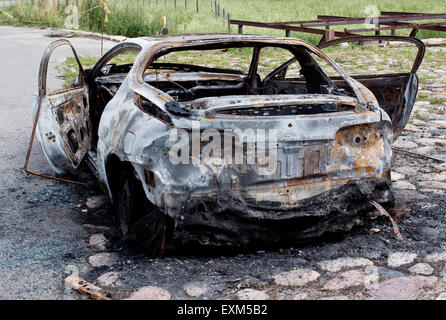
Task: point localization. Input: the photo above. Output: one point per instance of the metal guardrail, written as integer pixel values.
(386, 21)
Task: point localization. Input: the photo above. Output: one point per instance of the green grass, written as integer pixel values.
(437, 101)
(419, 116)
(439, 111)
(135, 18)
(69, 69)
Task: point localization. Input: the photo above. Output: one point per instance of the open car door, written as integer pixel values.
(386, 65)
(388, 69)
(63, 117)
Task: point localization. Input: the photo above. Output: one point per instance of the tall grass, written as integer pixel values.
(135, 18)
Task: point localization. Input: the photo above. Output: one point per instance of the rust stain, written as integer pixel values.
(360, 148)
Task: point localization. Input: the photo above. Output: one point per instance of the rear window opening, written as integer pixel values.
(306, 109)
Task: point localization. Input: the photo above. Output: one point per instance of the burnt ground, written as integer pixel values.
(46, 230)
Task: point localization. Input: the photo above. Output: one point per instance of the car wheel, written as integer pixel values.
(141, 223)
(130, 204)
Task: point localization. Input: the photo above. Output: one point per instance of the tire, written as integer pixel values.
(128, 204)
(141, 223)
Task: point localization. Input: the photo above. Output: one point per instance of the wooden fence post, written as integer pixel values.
(377, 32)
(229, 24)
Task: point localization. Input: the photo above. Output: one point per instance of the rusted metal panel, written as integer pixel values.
(62, 123)
(63, 129)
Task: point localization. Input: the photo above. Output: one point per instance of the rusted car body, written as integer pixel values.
(333, 139)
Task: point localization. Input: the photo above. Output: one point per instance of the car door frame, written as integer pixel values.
(418, 59)
(417, 62)
(401, 116)
(62, 116)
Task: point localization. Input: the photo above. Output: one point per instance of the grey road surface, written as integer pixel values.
(29, 224)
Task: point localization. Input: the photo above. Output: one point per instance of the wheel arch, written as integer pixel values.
(113, 168)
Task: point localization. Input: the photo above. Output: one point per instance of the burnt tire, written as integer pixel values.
(142, 224)
(128, 204)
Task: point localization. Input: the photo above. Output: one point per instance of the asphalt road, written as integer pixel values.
(28, 223)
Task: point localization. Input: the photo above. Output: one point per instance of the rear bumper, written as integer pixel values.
(232, 219)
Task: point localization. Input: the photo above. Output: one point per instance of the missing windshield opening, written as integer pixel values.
(305, 109)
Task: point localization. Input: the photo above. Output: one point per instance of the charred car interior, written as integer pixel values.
(186, 82)
(332, 138)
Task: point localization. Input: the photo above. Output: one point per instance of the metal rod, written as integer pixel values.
(340, 20)
(391, 13)
(102, 32)
(394, 21)
(416, 155)
(28, 154)
(241, 23)
(229, 24)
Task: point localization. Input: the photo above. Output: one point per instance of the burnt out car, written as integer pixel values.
(193, 145)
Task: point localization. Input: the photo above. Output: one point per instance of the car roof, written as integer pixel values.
(153, 45)
(207, 36)
(202, 38)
